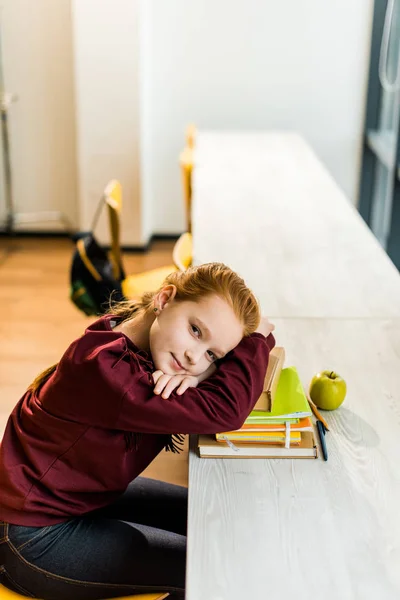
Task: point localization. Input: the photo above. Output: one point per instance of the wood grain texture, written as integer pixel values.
(266, 206)
(301, 529)
(310, 529)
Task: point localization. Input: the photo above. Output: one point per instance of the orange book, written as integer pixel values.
(259, 437)
(304, 424)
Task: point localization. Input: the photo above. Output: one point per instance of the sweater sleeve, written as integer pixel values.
(220, 403)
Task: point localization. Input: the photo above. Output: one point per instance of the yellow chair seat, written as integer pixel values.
(149, 281)
(6, 594)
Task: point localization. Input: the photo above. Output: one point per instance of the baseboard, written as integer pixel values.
(156, 237)
(34, 234)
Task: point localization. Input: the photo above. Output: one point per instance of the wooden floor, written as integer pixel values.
(38, 321)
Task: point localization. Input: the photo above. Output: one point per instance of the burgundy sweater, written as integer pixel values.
(66, 449)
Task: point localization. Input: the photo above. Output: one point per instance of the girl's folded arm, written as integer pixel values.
(220, 403)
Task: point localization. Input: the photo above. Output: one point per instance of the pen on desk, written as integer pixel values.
(321, 433)
(317, 413)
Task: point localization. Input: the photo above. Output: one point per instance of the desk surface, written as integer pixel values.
(308, 528)
(301, 529)
(264, 204)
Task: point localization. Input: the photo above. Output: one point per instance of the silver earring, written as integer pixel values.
(155, 309)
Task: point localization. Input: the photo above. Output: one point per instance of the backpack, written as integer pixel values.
(92, 280)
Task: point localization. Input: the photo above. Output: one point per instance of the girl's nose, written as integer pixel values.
(193, 356)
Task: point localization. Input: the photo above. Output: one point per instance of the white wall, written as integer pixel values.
(251, 64)
(107, 106)
(146, 128)
(146, 68)
(38, 67)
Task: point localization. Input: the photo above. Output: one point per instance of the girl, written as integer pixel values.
(183, 360)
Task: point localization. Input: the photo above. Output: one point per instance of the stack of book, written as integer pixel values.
(279, 426)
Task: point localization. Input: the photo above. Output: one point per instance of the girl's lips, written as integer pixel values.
(177, 365)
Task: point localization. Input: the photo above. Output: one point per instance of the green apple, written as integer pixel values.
(327, 390)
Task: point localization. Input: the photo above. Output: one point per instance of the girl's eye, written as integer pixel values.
(211, 355)
(196, 330)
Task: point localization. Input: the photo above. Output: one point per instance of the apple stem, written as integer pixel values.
(332, 375)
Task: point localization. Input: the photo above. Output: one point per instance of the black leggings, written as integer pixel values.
(135, 545)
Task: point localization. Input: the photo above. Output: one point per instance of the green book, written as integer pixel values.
(259, 417)
(290, 402)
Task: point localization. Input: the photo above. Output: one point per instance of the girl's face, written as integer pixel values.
(186, 337)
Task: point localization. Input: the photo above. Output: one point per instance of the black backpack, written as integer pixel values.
(92, 276)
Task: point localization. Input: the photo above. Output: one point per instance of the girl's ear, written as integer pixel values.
(164, 296)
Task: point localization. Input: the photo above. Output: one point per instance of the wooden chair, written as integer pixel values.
(190, 135)
(6, 594)
(135, 285)
(182, 253)
(186, 164)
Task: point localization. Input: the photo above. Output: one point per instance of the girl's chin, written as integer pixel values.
(160, 366)
(166, 371)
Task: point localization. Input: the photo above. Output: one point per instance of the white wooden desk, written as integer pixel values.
(302, 529)
(265, 205)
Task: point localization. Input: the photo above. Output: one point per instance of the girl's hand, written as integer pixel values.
(265, 327)
(166, 384)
